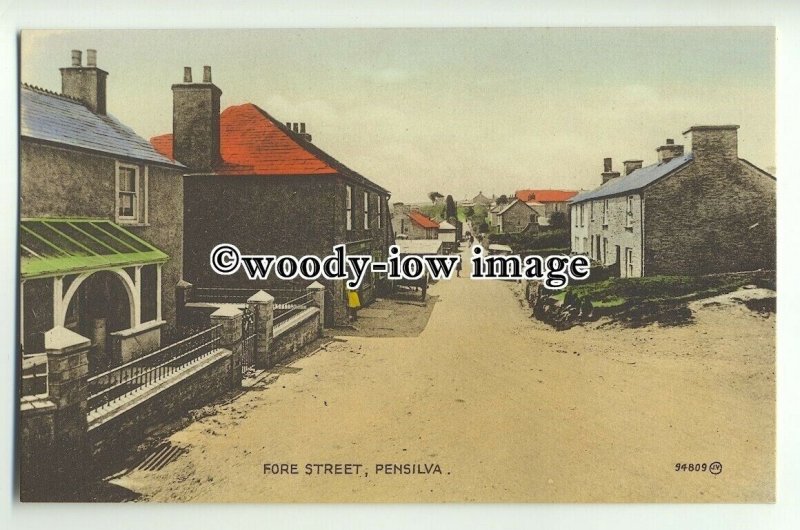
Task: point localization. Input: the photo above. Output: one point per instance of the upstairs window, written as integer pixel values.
(591, 211)
(629, 212)
(349, 206)
(380, 211)
(128, 193)
(605, 212)
(366, 210)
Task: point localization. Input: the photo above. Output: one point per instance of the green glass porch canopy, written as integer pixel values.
(56, 246)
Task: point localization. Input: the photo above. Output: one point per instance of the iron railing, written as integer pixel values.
(284, 310)
(115, 384)
(238, 295)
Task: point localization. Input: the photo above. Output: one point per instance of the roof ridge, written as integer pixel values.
(41, 90)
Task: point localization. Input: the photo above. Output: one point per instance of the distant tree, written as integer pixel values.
(503, 199)
(469, 211)
(450, 209)
(559, 220)
(434, 195)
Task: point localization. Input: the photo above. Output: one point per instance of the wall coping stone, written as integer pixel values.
(60, 338)
(294, 321)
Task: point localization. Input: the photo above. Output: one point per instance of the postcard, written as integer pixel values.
(456, 265)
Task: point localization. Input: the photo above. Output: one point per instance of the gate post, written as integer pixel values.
(317, 291)
(183, 295)
(263, 305)
(230, 337)
(67, 374)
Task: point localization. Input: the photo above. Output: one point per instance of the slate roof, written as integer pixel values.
(55, 118)
(635, 181)
(545, 195)
(509, 205)
(252, 142)
(422, 220)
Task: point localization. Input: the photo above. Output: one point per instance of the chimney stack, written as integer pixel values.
(299, 129)
(85, 83)
(608, 174)
(714, 143)
(668, 151)
(195, 122)
(632, 165)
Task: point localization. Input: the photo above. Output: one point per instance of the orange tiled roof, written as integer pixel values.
(422, 220)
(545, 195)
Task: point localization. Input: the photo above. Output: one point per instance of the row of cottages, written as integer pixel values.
(707, 211)
(265, 187)
(410, 223)
(101, 228)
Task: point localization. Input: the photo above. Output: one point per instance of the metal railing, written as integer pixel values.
(284, 310)
(117, 383)
(34, 375)
(238, 295)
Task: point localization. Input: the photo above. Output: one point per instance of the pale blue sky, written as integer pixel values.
(455, 110)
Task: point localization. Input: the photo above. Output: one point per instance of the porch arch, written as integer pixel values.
(132, 288)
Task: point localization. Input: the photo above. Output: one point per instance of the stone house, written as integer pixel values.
(550, 200)
(516, 216)
(481, 200)
(412, 223)
(707, 211)
(263, 186)
(101, 229)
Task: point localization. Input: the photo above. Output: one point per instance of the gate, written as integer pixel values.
(249, 325)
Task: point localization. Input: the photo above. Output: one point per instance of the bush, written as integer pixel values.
(530, 242)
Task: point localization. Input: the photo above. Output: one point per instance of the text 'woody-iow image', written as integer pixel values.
(397, 265)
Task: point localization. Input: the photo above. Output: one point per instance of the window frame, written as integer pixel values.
(380, 211)
(366, 210)
(629, 212)
(136, 194)
(348, 206)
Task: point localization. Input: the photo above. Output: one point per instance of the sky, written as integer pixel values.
(456, 111)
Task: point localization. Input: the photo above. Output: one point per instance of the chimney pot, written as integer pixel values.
(289, 125)
(606, 165)
(91, 58)
(206, 74)
(187, 74)
(302, 128)
(670, 141)
(294, 127)
(76, 57)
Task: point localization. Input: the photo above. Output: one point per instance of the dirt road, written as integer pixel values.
(508, 409)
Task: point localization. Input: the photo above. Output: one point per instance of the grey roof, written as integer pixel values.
(635, 181)
(509, 205)
(55, 118)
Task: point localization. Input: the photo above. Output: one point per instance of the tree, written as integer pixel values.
(450, 209)
(434, 195)
(559, 220)
(503, 199)
(469, 211)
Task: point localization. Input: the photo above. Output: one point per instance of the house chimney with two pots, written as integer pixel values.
(668, 151)
(608, 174)
(195, 121)
(87, 83)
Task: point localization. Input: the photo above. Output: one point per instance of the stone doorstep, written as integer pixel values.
(38, 404)
(107, 413)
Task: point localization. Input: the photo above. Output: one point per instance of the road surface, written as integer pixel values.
(504, 407)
